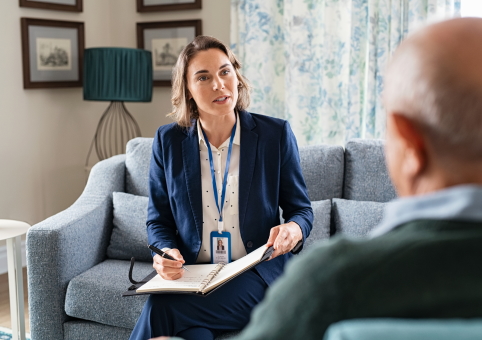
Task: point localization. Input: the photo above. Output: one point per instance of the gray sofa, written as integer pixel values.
(78, 259)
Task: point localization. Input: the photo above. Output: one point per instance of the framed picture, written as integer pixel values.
(166, 40)
(58, 5)
(167, 5)
(52, 53)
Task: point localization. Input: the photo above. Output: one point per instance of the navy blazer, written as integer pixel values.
(269, 177)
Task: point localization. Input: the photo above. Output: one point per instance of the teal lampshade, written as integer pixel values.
(117, 74)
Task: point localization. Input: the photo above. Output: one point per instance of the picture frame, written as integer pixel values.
(165, 40)
(52, 53)
(56, 5)
(167, 5)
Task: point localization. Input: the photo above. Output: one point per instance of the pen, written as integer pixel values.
(163, 254)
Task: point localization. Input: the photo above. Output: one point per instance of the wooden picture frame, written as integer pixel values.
(52, 53)
(166, 39)
(167, 5)
(59, 5)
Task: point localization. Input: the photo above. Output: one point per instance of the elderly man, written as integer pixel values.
(423, 261)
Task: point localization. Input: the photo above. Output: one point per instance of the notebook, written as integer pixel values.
(202, 279)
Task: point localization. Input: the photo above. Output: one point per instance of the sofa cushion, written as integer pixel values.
(322, 167)
(366, 175)
(96, 294)
(81, 330)
(355, 218)
(129, 235)
(321, 223)
(138, 158)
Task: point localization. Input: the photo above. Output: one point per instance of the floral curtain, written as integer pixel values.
(319, 63)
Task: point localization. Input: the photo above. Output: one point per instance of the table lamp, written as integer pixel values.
(117, 75)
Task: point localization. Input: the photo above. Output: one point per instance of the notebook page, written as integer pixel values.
(233, 268)
(189, 282)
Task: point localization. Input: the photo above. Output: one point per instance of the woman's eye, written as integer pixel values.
(202, 78)
(224, 72)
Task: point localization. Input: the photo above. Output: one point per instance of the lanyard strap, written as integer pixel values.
(226, 170)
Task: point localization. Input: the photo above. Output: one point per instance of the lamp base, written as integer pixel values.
(116, 127)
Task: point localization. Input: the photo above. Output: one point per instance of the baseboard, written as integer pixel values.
(3, 258)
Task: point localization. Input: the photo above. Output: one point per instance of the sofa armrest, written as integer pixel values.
(67, 244)
(402, 329)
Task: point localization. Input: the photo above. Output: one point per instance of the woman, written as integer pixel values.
(219, 170)
(220, 244)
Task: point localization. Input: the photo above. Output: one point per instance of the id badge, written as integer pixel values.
(220, 247)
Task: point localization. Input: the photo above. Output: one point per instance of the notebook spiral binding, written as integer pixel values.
(211, 276)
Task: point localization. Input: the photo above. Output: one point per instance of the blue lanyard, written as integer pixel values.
(226, 170)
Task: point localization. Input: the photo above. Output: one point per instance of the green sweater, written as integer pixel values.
(422, 269)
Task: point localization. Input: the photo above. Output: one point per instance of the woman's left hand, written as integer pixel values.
(283, 238)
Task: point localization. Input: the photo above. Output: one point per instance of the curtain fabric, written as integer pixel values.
(319, 63)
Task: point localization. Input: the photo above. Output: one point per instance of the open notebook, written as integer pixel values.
(203, 278)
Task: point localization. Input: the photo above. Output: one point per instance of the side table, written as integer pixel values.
(11, 231)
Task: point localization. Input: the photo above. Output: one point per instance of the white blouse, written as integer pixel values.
(231, 209)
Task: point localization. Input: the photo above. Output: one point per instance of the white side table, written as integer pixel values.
(12, 232)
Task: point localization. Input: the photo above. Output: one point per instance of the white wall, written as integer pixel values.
(45, 134)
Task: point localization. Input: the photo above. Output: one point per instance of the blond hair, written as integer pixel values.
(185, 109)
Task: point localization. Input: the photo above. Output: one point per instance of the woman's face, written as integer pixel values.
(212, 83)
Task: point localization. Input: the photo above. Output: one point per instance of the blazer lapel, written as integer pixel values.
(192, 171)
(249, 149)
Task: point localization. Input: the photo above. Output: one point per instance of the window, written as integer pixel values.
(471, 8)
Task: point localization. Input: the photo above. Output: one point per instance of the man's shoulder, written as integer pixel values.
(403, 245)
(355, 256)
(349, 254)
(438, 226)
(346, 278)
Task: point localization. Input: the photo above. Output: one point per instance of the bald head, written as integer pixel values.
(435, 79)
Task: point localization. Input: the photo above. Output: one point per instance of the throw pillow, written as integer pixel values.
(129, 235)
(321, 223)
(356, 218)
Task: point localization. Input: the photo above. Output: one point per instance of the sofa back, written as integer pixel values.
(138, 158)
(366, 175)
(348, 187)
(322, 167)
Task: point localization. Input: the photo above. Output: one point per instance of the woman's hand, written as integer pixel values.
(169, 269)
(283, 238)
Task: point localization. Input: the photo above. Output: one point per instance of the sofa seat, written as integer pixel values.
(81, 330)
(96, 295)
